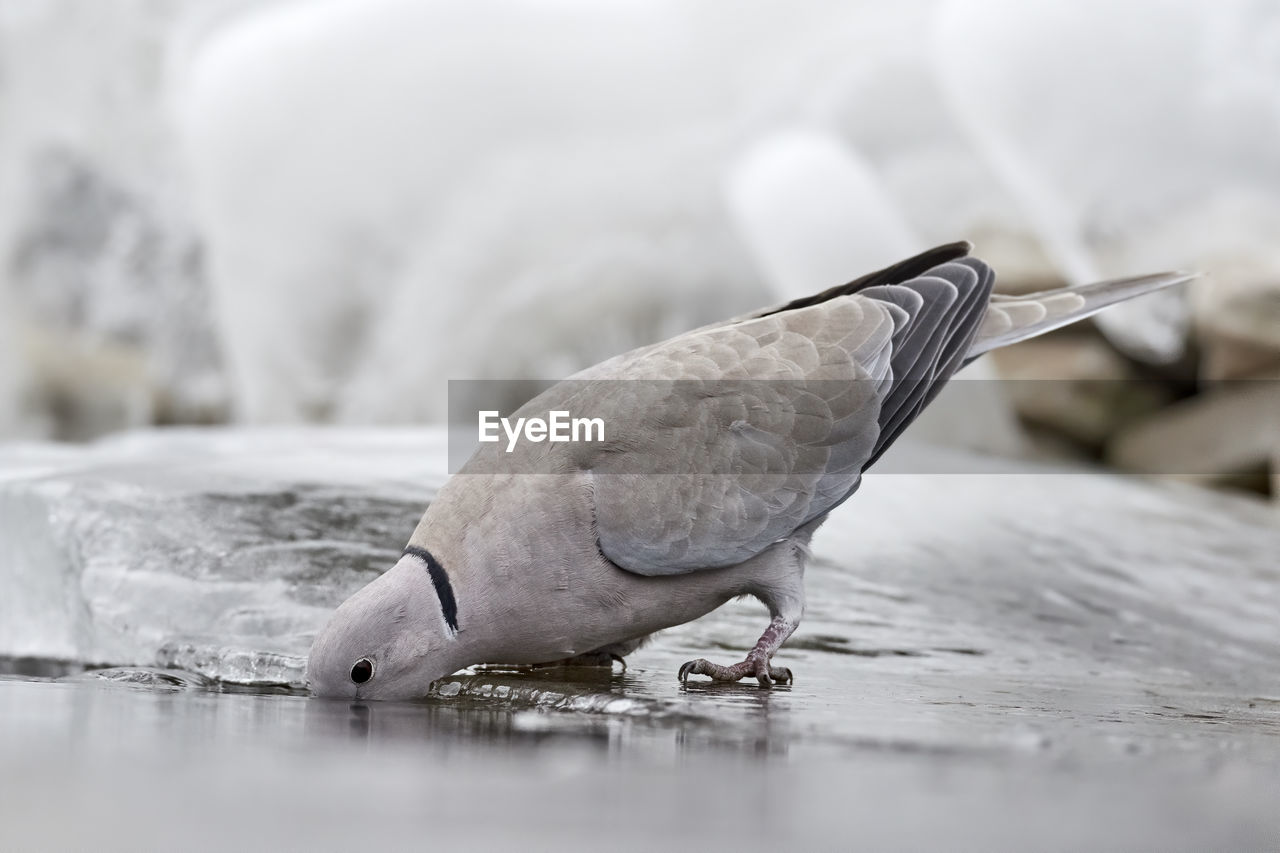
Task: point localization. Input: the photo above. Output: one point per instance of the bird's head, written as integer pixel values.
(391, 639)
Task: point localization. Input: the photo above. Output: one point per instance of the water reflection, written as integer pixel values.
(538, 711)
(113, 763)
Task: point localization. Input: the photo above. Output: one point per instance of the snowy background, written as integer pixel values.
(318, 212)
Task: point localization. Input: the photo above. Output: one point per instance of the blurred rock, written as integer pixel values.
(1238, 326)
(88, 388)
(1076, 385)
(1229, 430)
(1226, 357)
(96, 247)
(18, 418)
(102, 277)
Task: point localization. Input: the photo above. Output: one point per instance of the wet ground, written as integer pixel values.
(872, 749)
(858, 755)
(1020, 659)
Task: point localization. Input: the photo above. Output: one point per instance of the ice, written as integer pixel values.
(220, 552)
(544, 269)
(812, 210)
(885, 101)
(412, 189)
(1134, 135)
(144, 678)
(407, 219)
(215, 552)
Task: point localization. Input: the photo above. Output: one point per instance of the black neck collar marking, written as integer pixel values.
(439, 580)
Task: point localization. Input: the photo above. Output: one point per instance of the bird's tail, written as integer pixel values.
(1010, 319)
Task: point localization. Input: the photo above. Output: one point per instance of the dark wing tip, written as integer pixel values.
(905, 270)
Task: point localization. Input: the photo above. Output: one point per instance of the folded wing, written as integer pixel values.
(736, 435)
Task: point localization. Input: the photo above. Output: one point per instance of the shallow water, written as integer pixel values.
(1009, 658)
(889, 762)
(901, 748)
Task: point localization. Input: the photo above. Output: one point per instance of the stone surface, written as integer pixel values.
(1230, 429)
(1075, 385)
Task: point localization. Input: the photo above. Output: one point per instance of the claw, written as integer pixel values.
(686, 669)
(758, 661)
(760, 669)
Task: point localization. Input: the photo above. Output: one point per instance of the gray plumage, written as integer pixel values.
(726, 448)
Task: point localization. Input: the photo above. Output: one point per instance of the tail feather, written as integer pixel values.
(1010, 319)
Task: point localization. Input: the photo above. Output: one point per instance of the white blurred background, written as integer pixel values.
(318, 212)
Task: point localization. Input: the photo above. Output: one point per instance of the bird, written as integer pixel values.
(724, 449)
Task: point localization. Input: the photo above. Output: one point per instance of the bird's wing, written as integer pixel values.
(726, 440)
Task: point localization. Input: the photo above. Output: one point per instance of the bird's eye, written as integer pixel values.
(362, 671)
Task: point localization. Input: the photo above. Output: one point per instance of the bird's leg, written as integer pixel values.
(784, 596)
(758, 662)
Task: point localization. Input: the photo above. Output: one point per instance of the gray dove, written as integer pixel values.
(725, 449)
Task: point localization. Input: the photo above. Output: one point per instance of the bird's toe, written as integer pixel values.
(764, 673)
(687, 669)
